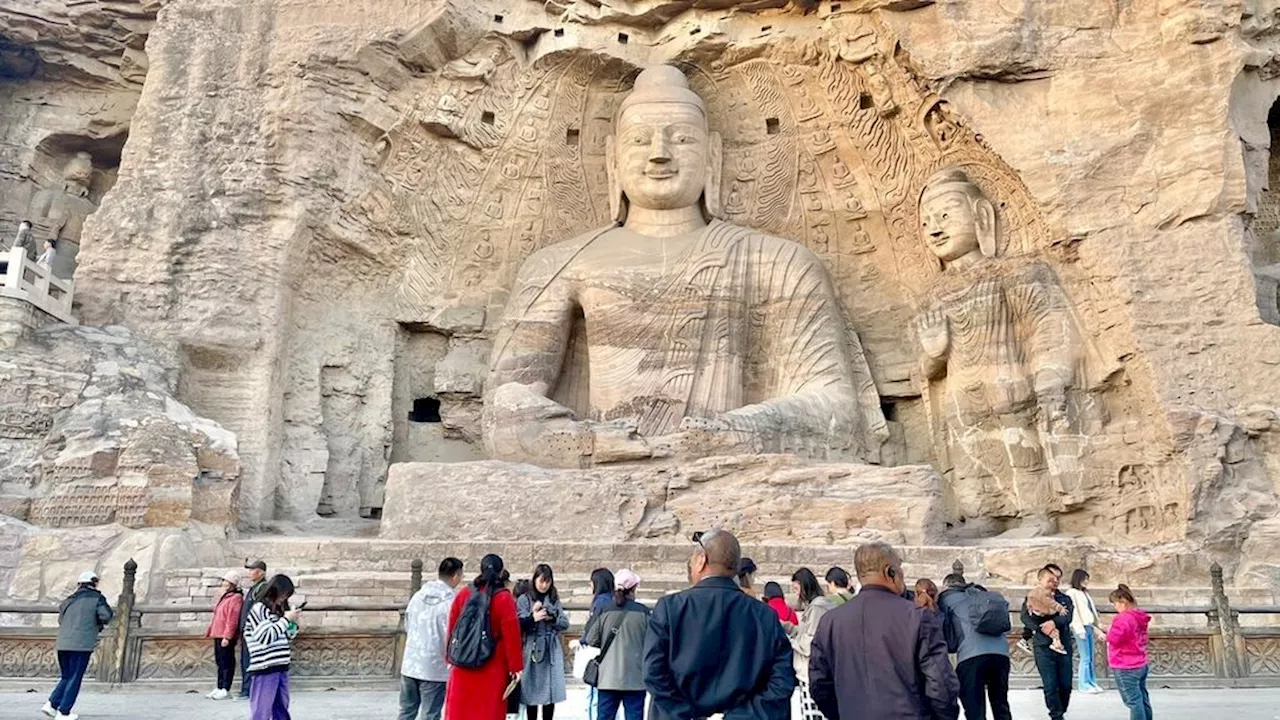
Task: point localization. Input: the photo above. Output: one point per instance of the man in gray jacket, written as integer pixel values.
(982, 661)
(424, 670)
(81, 618)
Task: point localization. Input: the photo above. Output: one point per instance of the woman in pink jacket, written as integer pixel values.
(1127, 653)
(223, 629)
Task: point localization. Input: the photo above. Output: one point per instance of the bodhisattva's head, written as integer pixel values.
(663, 155)
(956, 218)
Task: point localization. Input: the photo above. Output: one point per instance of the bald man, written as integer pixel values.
(878, 655)
(712, 649)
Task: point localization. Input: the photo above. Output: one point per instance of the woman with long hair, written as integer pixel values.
(476, 693)
(1127, 652)
(224, 630)
(623, 626)
(927, 595)
(813, 605)
(747, 576)
(269, 632)
(1084, 625)
(602, 584)
(543, 620)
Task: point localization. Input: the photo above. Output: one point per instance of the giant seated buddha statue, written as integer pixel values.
(702, 337)
(672, 372)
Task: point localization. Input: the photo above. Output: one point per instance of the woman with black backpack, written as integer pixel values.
(483, 648)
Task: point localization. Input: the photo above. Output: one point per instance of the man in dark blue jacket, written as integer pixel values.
(713, 649)
(1054, 667)
(878, 655)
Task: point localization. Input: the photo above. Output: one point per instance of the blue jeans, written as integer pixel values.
(72, 665)
(1085, 679)
(1132, 685)
(632, 702)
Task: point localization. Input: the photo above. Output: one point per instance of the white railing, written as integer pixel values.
(23, 279)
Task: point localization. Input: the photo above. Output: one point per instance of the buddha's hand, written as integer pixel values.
(618, 441)
(934, 333)
(700, 437)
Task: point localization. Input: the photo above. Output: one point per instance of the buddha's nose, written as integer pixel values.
(658, 151)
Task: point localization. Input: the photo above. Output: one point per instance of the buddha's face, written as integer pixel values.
(661, 155)
(949, 223)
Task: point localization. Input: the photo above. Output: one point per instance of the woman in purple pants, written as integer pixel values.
(269, 632)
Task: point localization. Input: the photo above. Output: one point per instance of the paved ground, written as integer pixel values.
(318, 705)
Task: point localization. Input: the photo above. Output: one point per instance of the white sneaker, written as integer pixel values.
(218, 694)
(48, 709)
(211, 693)
(72, 716)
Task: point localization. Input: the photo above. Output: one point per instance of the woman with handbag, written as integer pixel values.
(618, 672)
(543, 620)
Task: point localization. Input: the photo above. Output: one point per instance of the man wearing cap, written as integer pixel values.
(81, 618)
(257, 579)
(712, 649)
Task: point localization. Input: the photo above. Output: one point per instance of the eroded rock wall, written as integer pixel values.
(308, 188)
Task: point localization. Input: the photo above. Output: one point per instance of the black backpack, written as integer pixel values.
(471, 644)
(988, 611)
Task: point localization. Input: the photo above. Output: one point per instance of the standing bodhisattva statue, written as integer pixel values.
(701, 337)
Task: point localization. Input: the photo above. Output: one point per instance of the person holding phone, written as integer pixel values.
(543, 620)
(269, 631)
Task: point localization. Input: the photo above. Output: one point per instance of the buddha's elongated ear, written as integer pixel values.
(984, 217)
(715, 164)
(617, 203)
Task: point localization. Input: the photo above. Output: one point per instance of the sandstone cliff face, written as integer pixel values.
(322, 205)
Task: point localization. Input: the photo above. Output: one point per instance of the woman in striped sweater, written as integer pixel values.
(269, 630)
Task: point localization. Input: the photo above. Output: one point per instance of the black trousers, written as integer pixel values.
(225, 657)
(981, 678)
(1055, 674)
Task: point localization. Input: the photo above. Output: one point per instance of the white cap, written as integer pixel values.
(88, 576)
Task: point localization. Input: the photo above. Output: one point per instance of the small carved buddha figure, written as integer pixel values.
(999, 352)
(670, 334)
(59, 214)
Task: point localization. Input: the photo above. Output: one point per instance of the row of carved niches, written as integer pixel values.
(63, 183)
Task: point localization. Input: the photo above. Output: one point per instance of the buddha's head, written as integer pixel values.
(78, 170)
(663, 155)
(956, 218)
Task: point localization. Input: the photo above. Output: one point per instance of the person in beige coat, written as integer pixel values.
(813, 605)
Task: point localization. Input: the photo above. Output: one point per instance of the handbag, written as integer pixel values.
(591, 673)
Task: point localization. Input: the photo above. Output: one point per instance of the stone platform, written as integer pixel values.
(762, 498)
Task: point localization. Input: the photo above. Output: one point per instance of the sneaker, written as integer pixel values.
(1025, 646)
(211, 693)
(218, 694)
(72, 716)
(1096, 690)
(1060, 651)
(48, 709)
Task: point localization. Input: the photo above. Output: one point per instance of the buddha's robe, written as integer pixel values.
(727, 324)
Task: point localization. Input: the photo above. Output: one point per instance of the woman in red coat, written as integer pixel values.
(477, 694)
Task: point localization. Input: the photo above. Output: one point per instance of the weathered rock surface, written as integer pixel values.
(762, 498)
(336, 308)
(90, 434)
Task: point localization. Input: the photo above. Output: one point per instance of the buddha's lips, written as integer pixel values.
(661, 174)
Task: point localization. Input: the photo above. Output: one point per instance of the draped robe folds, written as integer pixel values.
(730, 325)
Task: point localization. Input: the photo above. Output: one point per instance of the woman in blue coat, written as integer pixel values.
(543, 620)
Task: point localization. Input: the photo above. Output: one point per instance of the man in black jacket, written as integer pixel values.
(257, 580)
(1054, 667)
(714, 649)
(878, 655)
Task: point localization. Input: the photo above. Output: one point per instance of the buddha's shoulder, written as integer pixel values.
(553, 258)
(763, 243)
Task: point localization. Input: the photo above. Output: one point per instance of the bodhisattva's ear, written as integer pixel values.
(715, 164)
(984, 217)
(617, 205)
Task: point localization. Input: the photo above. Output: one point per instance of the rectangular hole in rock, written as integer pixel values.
(497, 19)
(425, 410)
(558, 32)
(486, 117)
(865, 102)
(623, 38)
(835, 7)
(571, 136)
(766, 28)
(772, 125)
(695, 31)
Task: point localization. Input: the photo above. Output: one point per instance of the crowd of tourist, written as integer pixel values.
(861, 646)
